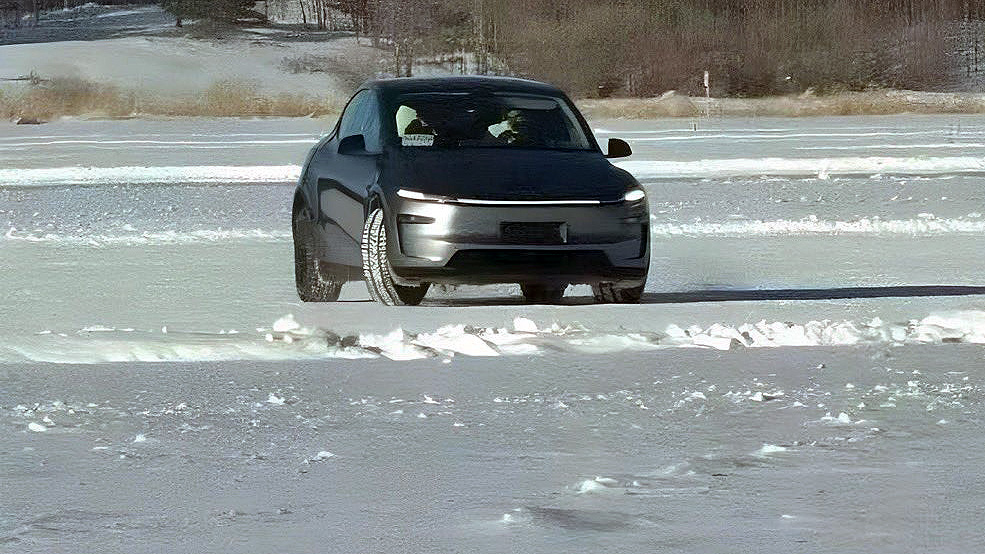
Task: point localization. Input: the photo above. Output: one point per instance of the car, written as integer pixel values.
(467, 180)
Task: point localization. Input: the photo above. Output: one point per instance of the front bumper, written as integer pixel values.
(465, 244)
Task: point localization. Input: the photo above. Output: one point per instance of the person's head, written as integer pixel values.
(515, 118)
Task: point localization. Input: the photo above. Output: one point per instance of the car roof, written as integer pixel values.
(469, 83)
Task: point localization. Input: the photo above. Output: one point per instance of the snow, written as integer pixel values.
(841, 419)
(732, 167)
(165, 66)
(148, 143)
(150, 175)
(392, 345)
(769, 450)
(121, 13)
(291, 340)
(286, 324)
(454, 338)
(593, 485)
(524, 325)
(146, 238)
(812, 225)
(641, 169)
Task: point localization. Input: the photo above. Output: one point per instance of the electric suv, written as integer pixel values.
(467, 180)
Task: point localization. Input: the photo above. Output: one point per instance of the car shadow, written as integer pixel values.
(809, 294)
(734, 295)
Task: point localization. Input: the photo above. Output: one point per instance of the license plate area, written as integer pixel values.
(521, 232)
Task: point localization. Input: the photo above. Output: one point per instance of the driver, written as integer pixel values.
(517, 127)
(419, 127)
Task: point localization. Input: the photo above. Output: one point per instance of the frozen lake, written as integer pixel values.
(805, 372)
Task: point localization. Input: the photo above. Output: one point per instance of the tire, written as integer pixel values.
(536, 293)
(377, 270)
(311, 284)
(610, 293)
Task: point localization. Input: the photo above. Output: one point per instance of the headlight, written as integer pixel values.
(634, 195)
(414, 195)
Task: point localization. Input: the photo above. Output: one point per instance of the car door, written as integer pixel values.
(341, 181)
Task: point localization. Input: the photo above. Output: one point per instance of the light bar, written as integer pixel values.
(415, 195)
(527, 202)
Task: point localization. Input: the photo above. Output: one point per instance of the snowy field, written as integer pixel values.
(805, 373)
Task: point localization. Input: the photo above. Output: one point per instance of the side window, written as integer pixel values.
(361, 117)
(351, 119)
(370, 128)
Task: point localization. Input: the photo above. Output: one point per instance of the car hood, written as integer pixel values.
(501, 174)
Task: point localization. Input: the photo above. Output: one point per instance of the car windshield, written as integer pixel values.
(488, 120)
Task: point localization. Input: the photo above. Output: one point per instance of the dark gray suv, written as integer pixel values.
(467, 180)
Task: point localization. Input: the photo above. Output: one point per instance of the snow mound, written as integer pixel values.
(289, 339)
(769, 450)
(595, 485)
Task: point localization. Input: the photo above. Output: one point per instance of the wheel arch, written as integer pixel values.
(301, 203)
(374, 201)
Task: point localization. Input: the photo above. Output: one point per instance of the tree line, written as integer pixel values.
(646, 47)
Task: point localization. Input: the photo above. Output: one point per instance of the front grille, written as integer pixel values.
(546, 261)
(533, 233)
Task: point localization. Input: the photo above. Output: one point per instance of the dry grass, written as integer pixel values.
(46, 99)
(879, 102)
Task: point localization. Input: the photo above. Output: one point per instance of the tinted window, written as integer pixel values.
(361, 117)
(490, 120)
(349, 125)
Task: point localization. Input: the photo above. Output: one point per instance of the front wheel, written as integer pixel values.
(311, 284)
(377, 270)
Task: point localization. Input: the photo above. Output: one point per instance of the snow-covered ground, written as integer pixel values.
(805, 372)
(141, 54)
(157, 67)
(115, 199)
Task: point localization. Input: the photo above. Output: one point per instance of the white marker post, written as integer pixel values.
(707, 95)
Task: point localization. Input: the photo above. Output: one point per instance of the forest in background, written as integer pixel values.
(646, 47)
(641, 48)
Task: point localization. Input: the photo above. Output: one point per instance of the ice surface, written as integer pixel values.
(926, 225)
(731, 167)
(150, 175)
(641, 169)
(127, 238)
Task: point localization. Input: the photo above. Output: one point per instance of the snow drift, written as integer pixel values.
(288, 339)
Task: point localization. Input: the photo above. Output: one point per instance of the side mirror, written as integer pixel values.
(353, 145)
(618, 148)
